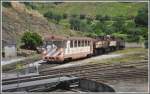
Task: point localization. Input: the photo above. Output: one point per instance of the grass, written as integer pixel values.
(12, 66)
(111, 9)
(23, 20)
(131, 50)
(130, 55)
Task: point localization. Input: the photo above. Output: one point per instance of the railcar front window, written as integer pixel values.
(58, 44)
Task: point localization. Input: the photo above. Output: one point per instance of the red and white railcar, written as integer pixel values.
(59, 49)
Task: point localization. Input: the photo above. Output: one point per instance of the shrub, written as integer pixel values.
(85, 27)
(57, 18)
(89, 20)
(82, 16)
(30, 5)
(49, 15)
(53, 16)
(100, 18)
(134, 34)
(142, 17)
(31, 40)
(74, 23)
(119, 24)
(64, 16)
(74, 15)
(6, 4)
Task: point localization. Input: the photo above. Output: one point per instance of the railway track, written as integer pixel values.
(30, 78)
(108, 72)
(95, 67)
(93, 71)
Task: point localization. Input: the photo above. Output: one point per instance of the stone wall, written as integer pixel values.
(134, 45)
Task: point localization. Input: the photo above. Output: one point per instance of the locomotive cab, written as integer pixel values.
(53, 50)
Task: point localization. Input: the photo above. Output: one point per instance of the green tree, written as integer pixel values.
(134, 35)
(52, 16)
(118, 35)
(57, 18)
(102, 18)
(89, 20)
(49, 15)
(142, 17)
(74, 23)
(6, 4)
(74, 15)
(119, 24)
(98, 17)
(64, 16)
(85, 27)
(30, 5)
(31, 40)
(82, 16)
(99, 28)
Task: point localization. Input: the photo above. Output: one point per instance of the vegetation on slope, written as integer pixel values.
(111, 9)
(125, 20)
(17, 19)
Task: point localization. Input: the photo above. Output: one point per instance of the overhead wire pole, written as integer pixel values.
(18, 67)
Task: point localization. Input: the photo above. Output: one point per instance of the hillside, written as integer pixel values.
(17, 19)
(21, 17)
(110, 9)
(116, 18)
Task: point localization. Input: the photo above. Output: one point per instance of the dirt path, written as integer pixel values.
(5, 62)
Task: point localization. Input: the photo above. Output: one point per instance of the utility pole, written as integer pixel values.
(37, 68)
(18, 67)
(59, 77)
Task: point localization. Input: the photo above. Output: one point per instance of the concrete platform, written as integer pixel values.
(24, 85)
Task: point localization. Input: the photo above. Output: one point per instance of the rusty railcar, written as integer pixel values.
(101, 45)
(60, 49)
(120, 43)
(105, 44)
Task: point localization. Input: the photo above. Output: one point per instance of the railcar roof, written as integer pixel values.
(54, 37)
